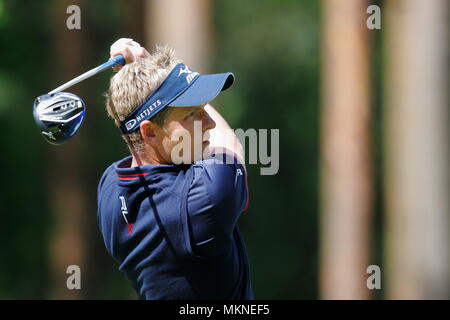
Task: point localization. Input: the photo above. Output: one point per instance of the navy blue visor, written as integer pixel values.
(181, 88)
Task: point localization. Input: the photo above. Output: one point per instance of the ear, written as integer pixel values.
(148, 132)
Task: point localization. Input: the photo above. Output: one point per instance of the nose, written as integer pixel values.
(207, 122)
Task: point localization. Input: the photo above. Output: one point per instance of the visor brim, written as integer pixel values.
(204, 89)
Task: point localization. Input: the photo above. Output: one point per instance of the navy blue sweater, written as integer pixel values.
(172, 228)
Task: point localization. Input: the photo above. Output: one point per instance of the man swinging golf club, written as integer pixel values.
(168, 214)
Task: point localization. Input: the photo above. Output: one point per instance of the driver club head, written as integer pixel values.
(58, 116)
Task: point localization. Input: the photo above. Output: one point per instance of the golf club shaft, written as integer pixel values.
(117, 60)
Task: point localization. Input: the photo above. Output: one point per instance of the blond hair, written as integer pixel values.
(132, 84)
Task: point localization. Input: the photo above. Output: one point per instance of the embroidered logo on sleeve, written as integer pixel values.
(124, 210)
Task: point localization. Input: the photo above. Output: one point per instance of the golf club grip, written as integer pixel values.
(117, 60)
(114, 61)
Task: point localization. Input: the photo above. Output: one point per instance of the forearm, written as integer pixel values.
(222, 137)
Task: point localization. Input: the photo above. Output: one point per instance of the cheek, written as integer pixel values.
(172, 137)
(194, 125)
(168, 145)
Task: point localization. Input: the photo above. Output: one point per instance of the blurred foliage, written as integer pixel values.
(273, 49)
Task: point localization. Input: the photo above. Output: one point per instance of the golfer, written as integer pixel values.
(168, 211)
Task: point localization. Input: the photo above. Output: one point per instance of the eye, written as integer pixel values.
(190, 114)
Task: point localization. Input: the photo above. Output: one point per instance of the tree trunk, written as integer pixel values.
(417, 149)
(345, 151)
(65, 189)
(184, 26)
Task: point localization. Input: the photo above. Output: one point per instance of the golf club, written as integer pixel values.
(59, 115)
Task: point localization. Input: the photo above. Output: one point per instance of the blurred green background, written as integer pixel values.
(271, 48)
(48, 194)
